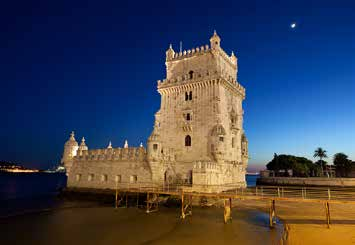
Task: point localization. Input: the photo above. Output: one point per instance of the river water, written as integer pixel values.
(30, 213)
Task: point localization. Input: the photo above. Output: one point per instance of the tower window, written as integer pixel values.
(118, 178)
(91, 177)
(190, 95)
(133, 179)
(221, 139)
(191, 74)
(188, 140)
(188, 117)
(155, 147)
(78, 177)
(186, 96)
(233, 143)
(104, 177)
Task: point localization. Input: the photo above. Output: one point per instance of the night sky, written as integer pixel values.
(92, 67)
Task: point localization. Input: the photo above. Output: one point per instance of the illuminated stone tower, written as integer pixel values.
(198, 135)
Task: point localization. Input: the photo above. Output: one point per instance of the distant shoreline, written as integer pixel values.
(310, 181)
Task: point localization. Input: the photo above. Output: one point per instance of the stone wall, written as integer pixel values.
(105, 174)
(341, 182)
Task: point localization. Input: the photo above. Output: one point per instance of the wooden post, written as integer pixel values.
(327, 213)
(182, 205)
(116, 196)
(272, 214)
(137, 199)
(147, 202)
(227, 210)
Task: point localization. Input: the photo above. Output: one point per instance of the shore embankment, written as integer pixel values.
(311, 181)
(305, 223)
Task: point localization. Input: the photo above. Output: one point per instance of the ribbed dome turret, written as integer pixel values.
(83, 146)
(71, 141)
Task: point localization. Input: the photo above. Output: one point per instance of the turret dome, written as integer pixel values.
(71, 141)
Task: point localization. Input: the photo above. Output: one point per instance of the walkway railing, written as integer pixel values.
(289, 193)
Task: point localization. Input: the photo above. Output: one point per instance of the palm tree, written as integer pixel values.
(319, 152)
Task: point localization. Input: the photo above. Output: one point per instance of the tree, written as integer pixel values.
(300, 166)
(343, 164)
(319, 152)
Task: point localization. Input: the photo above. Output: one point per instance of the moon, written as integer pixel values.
(293, 25)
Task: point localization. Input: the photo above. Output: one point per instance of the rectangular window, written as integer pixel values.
(118, 178)
(104, 177)
(221, 139)
(78, 177)
(233, 144)
(91, 177)
(155, 147)
(133, 179)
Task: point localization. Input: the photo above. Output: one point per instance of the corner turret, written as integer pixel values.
(215, 41)
(170, 53)
(83, 146)
(70, 151)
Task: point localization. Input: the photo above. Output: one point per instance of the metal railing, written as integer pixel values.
(341, 194)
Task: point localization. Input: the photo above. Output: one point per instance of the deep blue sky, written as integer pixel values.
(92, 67)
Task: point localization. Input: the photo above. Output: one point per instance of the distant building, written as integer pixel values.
(198, 137)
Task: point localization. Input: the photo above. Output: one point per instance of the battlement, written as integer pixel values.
(190, 52)
(200, 51)
(116, 154)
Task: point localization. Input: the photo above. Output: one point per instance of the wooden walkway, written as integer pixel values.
(271, 194)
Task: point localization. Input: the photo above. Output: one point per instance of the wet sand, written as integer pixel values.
(106, 225)
(306, 222)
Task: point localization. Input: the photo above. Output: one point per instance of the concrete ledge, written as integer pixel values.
(312, 181)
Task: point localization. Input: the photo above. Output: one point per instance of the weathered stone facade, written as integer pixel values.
(198, 137)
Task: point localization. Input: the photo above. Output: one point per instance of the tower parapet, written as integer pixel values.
(113, 154)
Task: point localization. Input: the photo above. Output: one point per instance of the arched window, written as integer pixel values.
(186, 96)
(190, 95)
(188, 117)
(191, 74)
(188, 140)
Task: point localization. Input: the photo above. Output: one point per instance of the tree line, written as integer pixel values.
(286, 165)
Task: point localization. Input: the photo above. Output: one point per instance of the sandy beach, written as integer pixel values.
(305, 222)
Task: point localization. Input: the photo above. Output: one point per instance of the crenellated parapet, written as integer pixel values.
(189, 53)
(113, 154)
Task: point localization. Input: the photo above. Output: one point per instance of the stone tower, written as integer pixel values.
(198, 135)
